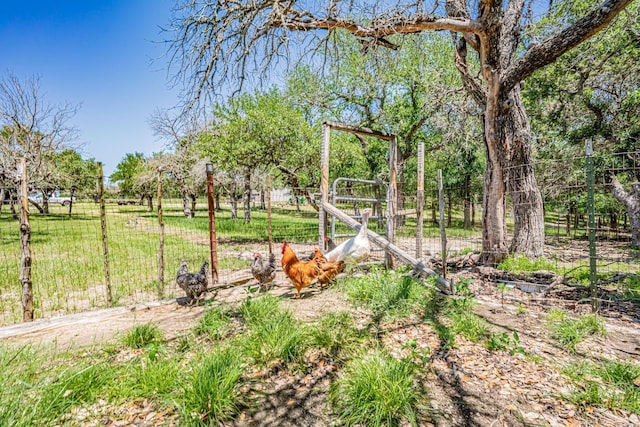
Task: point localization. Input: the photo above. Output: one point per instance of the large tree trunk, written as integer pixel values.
(631, 202)
(186, 206)
(528, 231)
(510, 167)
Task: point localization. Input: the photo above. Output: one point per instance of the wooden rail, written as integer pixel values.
(389, 247)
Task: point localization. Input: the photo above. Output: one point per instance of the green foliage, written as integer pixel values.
(336, 334)
(212, 392)
(520, 263)
(273, 334)
(608, 384)
(504, 342)
(154, 377)
(377, 390)
(260, 131)
(256, 310)
(214, 323)
(78, 384)
(142, 335)
(469, 324)
(571, 332)
(126, 171)
(386, 293)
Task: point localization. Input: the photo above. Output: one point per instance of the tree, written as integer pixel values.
(419, 101)
(593, 93)
(214, 43)
(30, 127)
(125, 173)
(388, 91)
(258, 132)
(184, 165)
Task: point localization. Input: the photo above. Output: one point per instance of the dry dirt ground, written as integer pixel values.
(466, 386)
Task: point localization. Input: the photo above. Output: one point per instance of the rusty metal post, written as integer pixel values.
(25, 244)
(212, 224)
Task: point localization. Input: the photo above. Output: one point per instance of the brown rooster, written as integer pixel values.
(301, 273)
(328, 270)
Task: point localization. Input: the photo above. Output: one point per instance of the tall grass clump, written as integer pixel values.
(215, 323)
(76, 385)
(256, 310)
(463, 320)
(376, 390)
(212, 391)
(19, 369)
(386, 293)
(39, 387)
(571, 332)
(335, 333)
(608, 384)
(152, 378)
(273, 334)
(140, 336)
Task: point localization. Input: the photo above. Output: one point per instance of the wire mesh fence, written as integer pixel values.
(69, 262)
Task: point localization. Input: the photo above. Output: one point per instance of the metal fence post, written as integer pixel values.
(420, 201)
(443, 233)
(595, 303)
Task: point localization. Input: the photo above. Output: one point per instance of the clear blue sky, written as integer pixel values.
(98, 54)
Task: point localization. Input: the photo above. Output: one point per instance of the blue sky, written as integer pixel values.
(97, 54)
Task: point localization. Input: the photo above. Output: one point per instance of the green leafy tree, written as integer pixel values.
(591, 93)
(125, 173)
(260, 132)
(213, 43)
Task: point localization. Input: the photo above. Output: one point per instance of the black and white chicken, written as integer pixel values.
(264, 273)
(194, 284)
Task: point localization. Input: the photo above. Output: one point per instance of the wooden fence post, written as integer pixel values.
(103, 224)
(324, 185)
(392, 198)
(161, 243)
(212, 224)
(25, 243)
